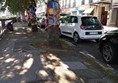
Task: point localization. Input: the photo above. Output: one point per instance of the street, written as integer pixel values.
(91, 47)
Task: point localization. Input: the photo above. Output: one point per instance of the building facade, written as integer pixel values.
(105, 10)
(69, 6)
(99, 8)
(113, 18)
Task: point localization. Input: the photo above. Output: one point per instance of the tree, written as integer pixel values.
(15, 6)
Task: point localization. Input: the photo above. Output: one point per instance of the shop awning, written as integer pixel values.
(81, 11)
(88, 11)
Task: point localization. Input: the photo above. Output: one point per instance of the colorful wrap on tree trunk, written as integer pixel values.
(52, 13)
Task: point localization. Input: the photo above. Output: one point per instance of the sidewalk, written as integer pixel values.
(26, 58)
(108, 28)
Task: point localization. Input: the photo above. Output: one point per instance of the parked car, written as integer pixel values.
(108, 46)
(81, 27)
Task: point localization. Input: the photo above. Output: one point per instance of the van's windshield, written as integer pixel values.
(90, 21)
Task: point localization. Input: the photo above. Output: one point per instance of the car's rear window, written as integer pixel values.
(90, 21)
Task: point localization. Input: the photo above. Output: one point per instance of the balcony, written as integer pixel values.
(90, 1)
(69, 5)
(83, 2)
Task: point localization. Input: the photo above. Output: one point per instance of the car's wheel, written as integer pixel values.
(109, 53)
(76, 37)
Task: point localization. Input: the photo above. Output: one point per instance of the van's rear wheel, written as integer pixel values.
(109, 53)
(76, 37)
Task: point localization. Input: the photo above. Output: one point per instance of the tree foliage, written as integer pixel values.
(15, 6)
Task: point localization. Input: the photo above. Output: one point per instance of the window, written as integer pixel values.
(69, 5)
(90, 21)
(72, 19)
(83, 2)
(74, 4)
(63, 4)
(90, 1)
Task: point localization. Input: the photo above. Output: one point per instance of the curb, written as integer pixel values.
(107, 69)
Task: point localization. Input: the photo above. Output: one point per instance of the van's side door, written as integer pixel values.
(73, 21)
(64, 25)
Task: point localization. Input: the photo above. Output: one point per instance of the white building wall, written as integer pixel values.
(68, 3)
(113, 16)
(86, 1)
(96, 1)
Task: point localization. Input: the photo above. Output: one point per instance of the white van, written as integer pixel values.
(81, 27)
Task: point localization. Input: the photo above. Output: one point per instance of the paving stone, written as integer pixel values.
(99, 81)
(89, 74)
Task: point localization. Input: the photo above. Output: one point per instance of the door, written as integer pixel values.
(63, 23)
(71, 25)
(117, 19)
(68, 24)
(104, 16)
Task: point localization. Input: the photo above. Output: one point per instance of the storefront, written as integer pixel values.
(101, 10)
(115, 8)
(113, 17)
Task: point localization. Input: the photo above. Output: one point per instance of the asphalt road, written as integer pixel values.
(91, 47)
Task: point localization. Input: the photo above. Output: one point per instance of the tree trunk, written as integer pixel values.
(53, 36)
(52, 23)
